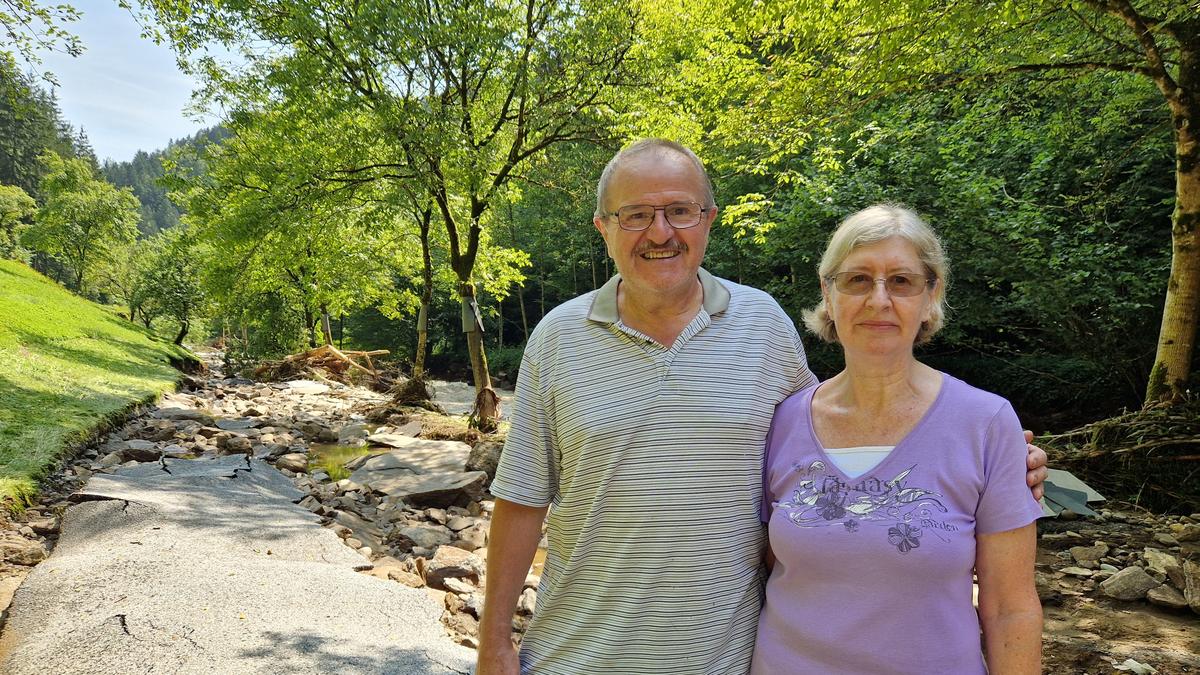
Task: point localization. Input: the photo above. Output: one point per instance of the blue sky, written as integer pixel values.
(125, 91)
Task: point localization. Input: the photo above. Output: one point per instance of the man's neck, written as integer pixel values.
(662, 316)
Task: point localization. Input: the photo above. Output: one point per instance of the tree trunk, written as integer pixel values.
(479, 366)
(183, 331)
(524, 319)
(310, 327)
(326, 329)
(1177, 336)
(500, 324)
(426, 297)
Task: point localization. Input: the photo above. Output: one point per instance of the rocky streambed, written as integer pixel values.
(1121, 592)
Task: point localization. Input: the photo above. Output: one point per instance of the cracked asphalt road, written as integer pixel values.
(211, 568)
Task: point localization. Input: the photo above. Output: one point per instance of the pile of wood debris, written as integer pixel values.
(328, 363)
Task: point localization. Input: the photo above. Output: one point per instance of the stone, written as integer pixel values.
(1166, 596)
(44, 526)
(1159, 561)
(1077, 571)
(235, 445)
(485, 457)
(236, 424)
(1131, 583)
(1191, 584)
(1092, 554)
(435, 489)
(293, 461)
(181, 413)
(310, 502)
(20, 551)
(527, 602)
(436, 515)
(474, 537)
(307, 387)
(353, 435)
(474, 604)
(447, 562)
(458, 523)
(407, 578)
(176, 451)
(417, 455)
(137, 450)
(110, 460)
(457, 585)
(420, 536)
(1166, 539)
(1186, 531)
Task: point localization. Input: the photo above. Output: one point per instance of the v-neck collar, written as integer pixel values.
(900, 449)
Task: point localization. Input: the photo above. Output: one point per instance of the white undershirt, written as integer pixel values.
(858, 460)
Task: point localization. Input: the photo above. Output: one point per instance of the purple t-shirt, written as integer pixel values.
(873, 574)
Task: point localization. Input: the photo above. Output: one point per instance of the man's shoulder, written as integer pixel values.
(569, 316)
(749, 298)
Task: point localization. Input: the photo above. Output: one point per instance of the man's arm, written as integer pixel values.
(1035, 462)
(512, 541)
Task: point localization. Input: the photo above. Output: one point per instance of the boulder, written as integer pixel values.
(1166, 596)
(448, 562)
(420, 536)
(20, 551)
(1094, 553)
(180, 413)
(352, 435)
(138, 450)
(435, 489)
(236, 424)
(1191, 584)
(417, 455)
(1131, 583)
(485, 457)
(293, 461)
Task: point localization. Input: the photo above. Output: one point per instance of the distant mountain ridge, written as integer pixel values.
(144, 172)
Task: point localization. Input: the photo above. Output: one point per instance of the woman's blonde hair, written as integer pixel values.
(871, 225)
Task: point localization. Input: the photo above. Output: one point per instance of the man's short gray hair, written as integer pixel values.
(875, 224)
(645, 145)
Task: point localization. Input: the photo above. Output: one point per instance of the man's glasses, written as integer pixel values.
(637, 217)
(898, 285)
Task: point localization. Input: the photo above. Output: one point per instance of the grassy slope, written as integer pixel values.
(66, 366)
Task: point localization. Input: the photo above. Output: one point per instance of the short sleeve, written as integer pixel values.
(528, 470)
(767, 497)
(803, 377)
(1007, 502)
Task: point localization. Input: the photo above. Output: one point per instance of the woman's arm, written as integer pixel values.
(1009, 609)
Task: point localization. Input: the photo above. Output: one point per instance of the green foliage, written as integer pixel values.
(66, 366)
(81, 217)
(30, 27)
(30, 125)
(171, 279)
(16, 211)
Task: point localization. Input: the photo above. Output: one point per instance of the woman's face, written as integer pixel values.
(879, 323)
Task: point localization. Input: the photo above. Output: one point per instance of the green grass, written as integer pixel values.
(330, 458)
(67, 366)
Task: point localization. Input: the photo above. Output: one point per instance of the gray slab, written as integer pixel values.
(212, 569)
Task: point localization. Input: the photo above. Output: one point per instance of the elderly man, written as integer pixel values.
(641, 414)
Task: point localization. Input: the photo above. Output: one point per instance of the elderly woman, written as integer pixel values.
(888, 484)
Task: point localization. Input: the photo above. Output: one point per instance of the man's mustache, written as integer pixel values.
(674, 246)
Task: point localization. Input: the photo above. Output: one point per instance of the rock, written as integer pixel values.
(1160, 562)
(447, 562)
(457, 585)
(1092, 553)
(19, 551)
(1186, 531)
(293, 461)
(527, 602)
(436, 515)
(418, 455)
(110, 460)
(236, 424)
(473, 538)
(353, 435)
(1166, 539)
(435, 489)
(1191, 584)
(236, 444)
(175, 451)
(138, 450)
(1166, 596)
(179, 413)
(310, 502)
(485, 457)
(44, 526)
(1077, 572)
(458, 523)
(307, 387)
(1131, 583)
(421, 536)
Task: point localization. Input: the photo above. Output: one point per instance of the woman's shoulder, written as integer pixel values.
(966, 399)
(797, 401)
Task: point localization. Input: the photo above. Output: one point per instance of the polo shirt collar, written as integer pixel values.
(604, 305)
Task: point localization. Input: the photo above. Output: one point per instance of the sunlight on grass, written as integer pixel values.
(66, 366)
(331, 458)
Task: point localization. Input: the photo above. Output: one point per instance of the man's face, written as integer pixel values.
(659, 259)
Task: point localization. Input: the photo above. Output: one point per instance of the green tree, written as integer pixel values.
(464, 94)
(16, 212)
(82, 216)
(171, 279)
(30, 27)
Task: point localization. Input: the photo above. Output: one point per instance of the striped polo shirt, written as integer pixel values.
(650, 458)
